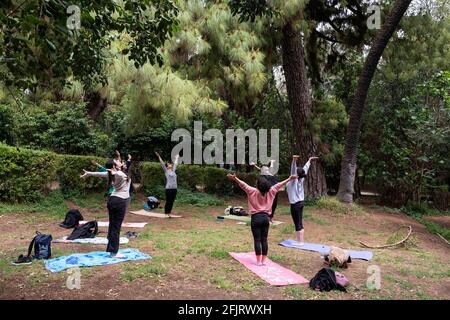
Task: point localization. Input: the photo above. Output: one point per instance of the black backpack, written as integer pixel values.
(153, 202)
(42, 246)
(87, 230)
(325, 280)
(73, 217)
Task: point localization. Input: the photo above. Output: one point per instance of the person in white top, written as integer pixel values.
(296, 195)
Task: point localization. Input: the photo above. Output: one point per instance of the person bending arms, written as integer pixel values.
(267, 172)
(260, 201)
(296, 195)
(171, 182)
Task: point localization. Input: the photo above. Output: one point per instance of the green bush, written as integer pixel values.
(27, 175)
(24, 174)
(334, 205)
(68, 174)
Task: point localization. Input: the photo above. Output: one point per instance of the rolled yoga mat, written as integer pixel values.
(124, 224)
(96, 258)
(245, 219)
(272, 272)
(324, 249)
(146, 213)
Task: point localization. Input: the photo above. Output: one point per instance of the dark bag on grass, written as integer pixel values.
(238, 211)
(152, 202)
(42, 246)
(325, 280)
(73, 217)
(87, 230)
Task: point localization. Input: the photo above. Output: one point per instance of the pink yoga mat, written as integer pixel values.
(272, 272)
(124, 224)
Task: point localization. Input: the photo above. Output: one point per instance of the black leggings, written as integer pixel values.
(260, 230)
(116, 211)
(171, 194)
(297, 215)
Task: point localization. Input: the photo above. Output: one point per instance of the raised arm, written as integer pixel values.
(96, 164)
(241, 183)
(128, 164)
(163, 165)
(294, 165)
(255, 166)
(271, 167)
(175, 163)
(308, 164)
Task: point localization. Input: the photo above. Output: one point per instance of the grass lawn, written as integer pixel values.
(191, 260)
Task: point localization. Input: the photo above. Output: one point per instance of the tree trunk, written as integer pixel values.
(348, 164)
(299, 94)
(96, 104)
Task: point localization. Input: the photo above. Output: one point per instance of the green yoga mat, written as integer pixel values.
(244, 219)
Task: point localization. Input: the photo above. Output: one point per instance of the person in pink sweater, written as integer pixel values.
(260, 201)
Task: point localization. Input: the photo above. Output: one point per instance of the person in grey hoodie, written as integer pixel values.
(171, 182)
(296, 195)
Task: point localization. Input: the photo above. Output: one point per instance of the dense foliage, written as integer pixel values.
(149, 67)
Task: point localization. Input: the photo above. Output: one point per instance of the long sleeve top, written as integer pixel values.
(171, 175)
(121, 185)
(295, 189)
(258, 202)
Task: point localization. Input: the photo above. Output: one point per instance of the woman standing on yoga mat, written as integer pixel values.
(117, 205)
(267, 172)
(296, 195)
(171, 182)
(260, 201)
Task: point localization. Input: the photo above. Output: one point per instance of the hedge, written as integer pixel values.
(26, 175)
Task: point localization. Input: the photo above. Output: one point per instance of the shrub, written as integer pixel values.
(334, 205)
(24, 174)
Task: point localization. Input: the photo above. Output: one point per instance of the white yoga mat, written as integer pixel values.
(245, 219)
(96, 240)
(124, 224)
(150, 214)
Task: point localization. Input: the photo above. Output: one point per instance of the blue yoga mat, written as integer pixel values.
(96, 258)
(324, 249)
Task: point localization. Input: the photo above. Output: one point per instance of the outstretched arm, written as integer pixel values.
(284, 182)
(94, 174)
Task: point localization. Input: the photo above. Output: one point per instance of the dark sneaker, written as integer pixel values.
(22, 260)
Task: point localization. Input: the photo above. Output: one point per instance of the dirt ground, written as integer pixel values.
(190, 257)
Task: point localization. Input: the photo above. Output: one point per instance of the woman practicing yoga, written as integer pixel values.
(296, 195)
(117, 205)
(267, 172)
(260, 201)
(103, 173)
(171, 182)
